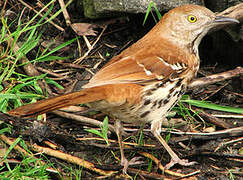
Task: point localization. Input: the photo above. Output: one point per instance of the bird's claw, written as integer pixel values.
(125, 163)
(183, 162)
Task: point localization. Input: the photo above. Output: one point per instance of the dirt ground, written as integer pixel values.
(217, 155)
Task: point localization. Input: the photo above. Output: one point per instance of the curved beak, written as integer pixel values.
(225, 20)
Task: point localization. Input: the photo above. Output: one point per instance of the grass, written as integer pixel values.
(20, 86)
(104, 131)
(31, 167)
(151, 6)
(74, 173)
(28, 167)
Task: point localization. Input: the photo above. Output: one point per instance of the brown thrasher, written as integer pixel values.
(146, 80)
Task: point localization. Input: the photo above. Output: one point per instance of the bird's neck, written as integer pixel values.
(185, 45)
(186, 52)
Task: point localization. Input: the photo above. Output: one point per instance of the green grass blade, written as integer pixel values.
(54, 50)
(94, 131)
(48, 58)
(4, 130)
(59, 11)
(148, 11)
(157, 12)
(11, 147)
(105, 126)
(37, 15)
(209, 105)
(50, 81)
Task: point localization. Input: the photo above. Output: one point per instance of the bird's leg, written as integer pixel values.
(124, 162)
(118, 129)
(156, 130)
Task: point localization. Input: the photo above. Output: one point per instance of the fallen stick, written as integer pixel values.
(204, 81)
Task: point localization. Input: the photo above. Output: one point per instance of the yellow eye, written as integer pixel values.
(191, 18)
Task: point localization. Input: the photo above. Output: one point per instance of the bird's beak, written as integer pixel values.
(225, 20)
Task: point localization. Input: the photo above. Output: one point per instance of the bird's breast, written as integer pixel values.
(160, 97)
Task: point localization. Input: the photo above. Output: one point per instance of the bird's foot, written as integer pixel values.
(125, 163)
(183, 162)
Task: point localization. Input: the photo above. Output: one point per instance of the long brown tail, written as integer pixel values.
(54, 103)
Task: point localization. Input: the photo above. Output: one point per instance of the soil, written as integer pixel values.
(218, 53)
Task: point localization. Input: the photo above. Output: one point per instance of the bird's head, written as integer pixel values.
(188, 24)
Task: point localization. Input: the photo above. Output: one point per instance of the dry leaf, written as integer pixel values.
(84, 29)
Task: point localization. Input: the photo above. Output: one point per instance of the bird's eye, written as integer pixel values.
(191, 18)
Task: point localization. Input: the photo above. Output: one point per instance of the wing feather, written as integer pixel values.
(145, 64)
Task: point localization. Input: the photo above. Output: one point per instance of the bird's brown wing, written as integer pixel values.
(136, 68)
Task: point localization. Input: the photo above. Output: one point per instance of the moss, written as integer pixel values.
(99, 9)
(89, 9)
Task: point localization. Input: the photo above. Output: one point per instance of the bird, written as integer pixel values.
(142, 83)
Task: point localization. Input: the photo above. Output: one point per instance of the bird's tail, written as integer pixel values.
(54, 103)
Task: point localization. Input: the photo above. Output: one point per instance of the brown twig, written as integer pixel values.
(114, 141)
(214, 120)
(65, 13)
(90, 47)
(216, 78)
(145, 174)
(82, 119)
(51, 145)
(228, 142)
(157, 162)
(51, 73)
(215, 91)
(206, 136)
(230, 132)
(70, 158)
